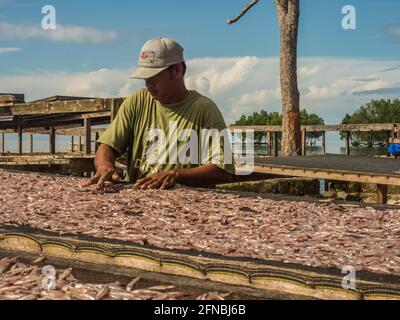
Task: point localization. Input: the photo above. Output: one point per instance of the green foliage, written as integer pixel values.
(275, 119)
(376, 111)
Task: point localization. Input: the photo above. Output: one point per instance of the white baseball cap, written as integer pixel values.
(156, 56)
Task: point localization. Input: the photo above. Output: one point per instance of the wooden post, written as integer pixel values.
(72, 145)
(389, 133)
(96, 137)
(303, 141)
(382, 193)
(52, 140)
(275, 144)
(19, 139)
(269, 142)
(3, 140)
(326, 185)
(395, 131)
(115, 105)
(31, 143)
(80, 143)
(347, 143)
(324, 142)
(88, 135)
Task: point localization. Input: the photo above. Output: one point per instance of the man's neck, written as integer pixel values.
(179, 95)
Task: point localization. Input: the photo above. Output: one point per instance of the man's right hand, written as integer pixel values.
(104, 173)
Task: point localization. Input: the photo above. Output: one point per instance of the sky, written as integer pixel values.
(96, 44)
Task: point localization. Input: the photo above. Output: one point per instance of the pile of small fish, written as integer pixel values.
(19, 281)
(319, 234)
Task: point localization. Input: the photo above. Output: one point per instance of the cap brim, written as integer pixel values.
(145, 73)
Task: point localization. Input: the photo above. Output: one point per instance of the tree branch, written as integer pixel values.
(243, 12)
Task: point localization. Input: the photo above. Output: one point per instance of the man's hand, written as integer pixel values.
(104, 173)
(161, 180)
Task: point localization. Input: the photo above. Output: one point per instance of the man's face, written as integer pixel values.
(160, 85)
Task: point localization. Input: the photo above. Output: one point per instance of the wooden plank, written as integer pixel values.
(88, 135)
(340, 175)
(16, 97)
(97, 119)
(382, 193)
(94, 105)
(7, 100)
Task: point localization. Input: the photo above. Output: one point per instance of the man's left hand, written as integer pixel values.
(163, 180)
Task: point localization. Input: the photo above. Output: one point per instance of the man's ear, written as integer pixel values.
(179, 70)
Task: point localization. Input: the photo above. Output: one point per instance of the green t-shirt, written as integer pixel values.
(161, 137)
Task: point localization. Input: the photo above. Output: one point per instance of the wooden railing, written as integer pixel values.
(392, 130)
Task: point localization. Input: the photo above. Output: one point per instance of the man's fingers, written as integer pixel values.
(146, 185)
(116, 176)
(91, 181)
(155, 185)
(168, 183)
(140, 182)
(105, 177)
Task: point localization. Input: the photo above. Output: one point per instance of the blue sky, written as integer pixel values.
(235, 65)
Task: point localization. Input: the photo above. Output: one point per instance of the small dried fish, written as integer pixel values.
(161, 288)
(40, 259)
(102, 293)
(131, 284)
(65, 274)
(226, 224)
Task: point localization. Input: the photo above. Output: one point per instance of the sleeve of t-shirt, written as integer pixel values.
(213, 120)
(118, 134)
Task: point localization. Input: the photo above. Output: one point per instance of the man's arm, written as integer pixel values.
(201, 176)
(104, 163)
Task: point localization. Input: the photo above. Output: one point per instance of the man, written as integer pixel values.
(165, 108)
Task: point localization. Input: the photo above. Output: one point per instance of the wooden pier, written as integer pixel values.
(81, 117)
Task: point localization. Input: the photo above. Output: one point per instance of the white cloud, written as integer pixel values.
(307, 71)
(9, 50)
(73, 34)
(330, 87)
